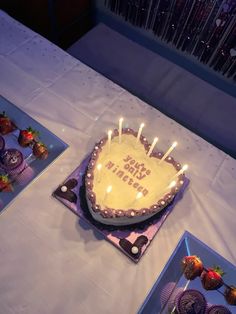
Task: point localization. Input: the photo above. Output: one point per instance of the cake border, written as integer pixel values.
(109, 213)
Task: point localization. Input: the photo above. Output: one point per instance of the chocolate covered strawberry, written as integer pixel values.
(192, 267)
(6, 125)
(230, 295)
(5, 184)
(211, 278)
(26, 137)
(40, 150)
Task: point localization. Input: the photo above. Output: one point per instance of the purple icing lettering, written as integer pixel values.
(114, 170)
(140, 176)
(125, 178)
(131, 169)
(143, 169)
(140, 188)
(127, 158)
(145, 192)
(132, 162)
(137, 165)
(134, 174)
(109, 165)
(126, 166)
(120, 173)
(130, 181)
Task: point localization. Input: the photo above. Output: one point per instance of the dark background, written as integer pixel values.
(61, 21)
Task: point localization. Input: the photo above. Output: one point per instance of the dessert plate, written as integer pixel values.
(132, 240)
(34, 166)
(172, 276)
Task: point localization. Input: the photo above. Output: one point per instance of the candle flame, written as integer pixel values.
(121, 120)
(109, 132)
(142, 125)
(139, 195)
(185, 167)
(174, 144)
(99, 167)
(109, 189)
(172, 184)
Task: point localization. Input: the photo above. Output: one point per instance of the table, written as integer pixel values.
(51, 262)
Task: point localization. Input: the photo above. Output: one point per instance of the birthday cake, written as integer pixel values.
(128, 182)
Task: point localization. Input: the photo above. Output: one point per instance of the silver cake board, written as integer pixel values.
(123, 237)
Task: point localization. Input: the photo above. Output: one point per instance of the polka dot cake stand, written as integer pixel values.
(132, 240)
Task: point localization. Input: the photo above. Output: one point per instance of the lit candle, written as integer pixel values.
(140, 131)
(120, 128)
(185, 167)
(152, 146)
(99, 167)
(108, 191)
(109, 140)
(138, 196)
(169, 187)
(168, 152)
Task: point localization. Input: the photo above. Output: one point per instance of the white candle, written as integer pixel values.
(168, 152)
(120, 128)
(99, 167)
(184, 168)
(152, 146)
(169, 187)
(138, 196)
(108, 191)
(140, 131)
(109, 140)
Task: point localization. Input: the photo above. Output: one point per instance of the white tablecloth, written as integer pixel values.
(50, 261)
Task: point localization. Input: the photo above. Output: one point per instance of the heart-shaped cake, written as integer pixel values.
(124, 185)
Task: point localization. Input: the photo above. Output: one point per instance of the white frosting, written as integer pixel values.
(128, 169)
(128, 163)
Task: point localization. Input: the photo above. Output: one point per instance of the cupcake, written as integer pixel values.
(191, 302)
(2, 144)
(169, 294)
(218, 309)
(12, 161)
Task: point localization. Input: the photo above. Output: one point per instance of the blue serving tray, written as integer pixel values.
(189, 245)
(35, 166)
